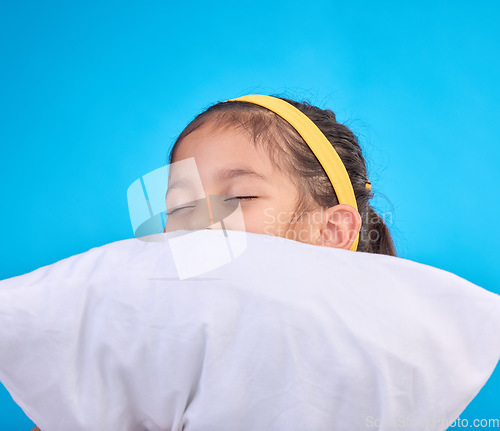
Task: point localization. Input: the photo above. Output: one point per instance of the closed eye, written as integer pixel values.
(241, 198)
(178, 209)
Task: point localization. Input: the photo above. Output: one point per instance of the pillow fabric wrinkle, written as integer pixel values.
(286, 337)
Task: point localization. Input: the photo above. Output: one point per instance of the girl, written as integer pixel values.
(288, 186)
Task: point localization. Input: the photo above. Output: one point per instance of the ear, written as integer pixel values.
(339, 227)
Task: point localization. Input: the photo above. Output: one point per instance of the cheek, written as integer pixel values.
(266, 219)
(255, 219)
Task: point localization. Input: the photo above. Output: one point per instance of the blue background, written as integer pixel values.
(93, 93)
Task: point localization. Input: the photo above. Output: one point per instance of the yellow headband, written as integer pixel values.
(317, 142)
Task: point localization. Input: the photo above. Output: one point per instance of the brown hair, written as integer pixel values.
(291, 154)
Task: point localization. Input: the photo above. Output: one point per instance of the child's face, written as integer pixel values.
(230, 164)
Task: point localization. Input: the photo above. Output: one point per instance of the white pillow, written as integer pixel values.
(287, 336)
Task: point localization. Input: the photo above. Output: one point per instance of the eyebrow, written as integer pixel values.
(221, 175)
(179, 184)
(229, 174)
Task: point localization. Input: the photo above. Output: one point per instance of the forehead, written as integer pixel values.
(215, 148)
